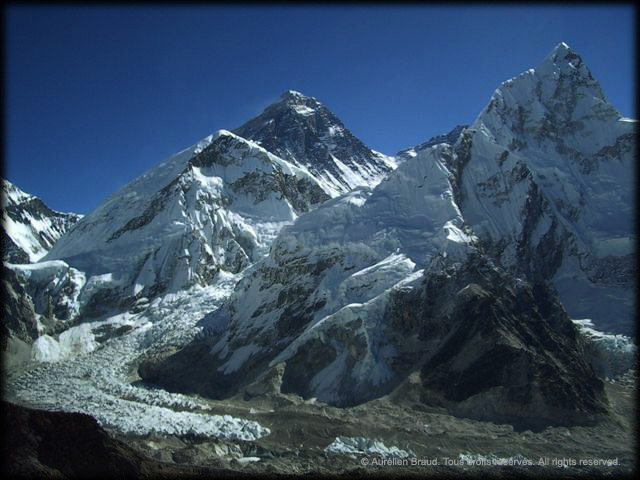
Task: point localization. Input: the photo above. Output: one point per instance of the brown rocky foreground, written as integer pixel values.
(47, 444)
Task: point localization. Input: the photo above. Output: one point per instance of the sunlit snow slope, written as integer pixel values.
(215, 206)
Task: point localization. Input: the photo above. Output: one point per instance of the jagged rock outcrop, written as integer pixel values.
(29, 227)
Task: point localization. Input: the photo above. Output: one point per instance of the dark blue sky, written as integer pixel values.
(95, 96)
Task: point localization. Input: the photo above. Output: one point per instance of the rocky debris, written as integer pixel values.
(268, 384)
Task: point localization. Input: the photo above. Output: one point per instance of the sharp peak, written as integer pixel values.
(293, 94)
(297, 98)
(562, 54)
(561, 59)
(561, 47)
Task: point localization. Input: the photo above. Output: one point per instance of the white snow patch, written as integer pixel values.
(74, 341)
(303, 109)
(366, 446)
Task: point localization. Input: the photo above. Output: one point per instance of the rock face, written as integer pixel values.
(506, 350)
(41, 298)
(444, 268)
(304, 132)
(61, 445)
(29, 227)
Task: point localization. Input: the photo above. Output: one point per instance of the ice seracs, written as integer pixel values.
(366, 446)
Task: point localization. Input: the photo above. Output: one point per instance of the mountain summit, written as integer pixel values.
(304, 132)
(547, 182)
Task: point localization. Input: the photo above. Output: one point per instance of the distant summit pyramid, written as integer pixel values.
(301, 130)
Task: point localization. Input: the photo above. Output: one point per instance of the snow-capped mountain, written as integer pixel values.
(29, 227)
(215, 206)
(356, 270)
(304, 132)
(546, 177)
(442, 269)
(377, 284)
